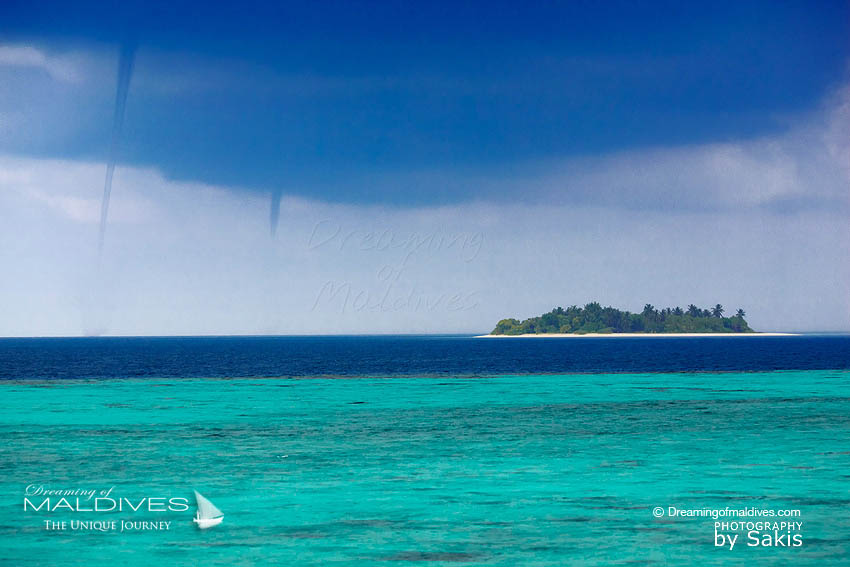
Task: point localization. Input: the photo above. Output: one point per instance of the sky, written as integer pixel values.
(440, 166)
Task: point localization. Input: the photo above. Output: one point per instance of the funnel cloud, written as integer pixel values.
(274, 212)
(125, 73)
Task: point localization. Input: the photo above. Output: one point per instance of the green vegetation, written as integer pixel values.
(593, 318)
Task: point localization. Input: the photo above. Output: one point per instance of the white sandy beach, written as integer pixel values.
(632, 335)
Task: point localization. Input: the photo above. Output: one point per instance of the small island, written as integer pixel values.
(593, 319)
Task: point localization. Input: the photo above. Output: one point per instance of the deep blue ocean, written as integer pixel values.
(427, 450)
(429, 355)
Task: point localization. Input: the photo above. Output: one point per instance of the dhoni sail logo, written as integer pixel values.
(208, 515)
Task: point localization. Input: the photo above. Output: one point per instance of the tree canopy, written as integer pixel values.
(593, 318)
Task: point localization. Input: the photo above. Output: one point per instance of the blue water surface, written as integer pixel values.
(409, 451)
(216, 357)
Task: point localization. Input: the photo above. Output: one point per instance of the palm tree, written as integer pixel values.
(740, 313)
(678, 310)
(717, 310)
(693, 310)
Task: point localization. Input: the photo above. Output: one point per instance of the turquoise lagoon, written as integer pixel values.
(501, 470)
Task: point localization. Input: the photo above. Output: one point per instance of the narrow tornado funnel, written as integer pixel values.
(274, 212)
(125, 72)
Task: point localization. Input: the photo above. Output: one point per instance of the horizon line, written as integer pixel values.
(442, 334)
